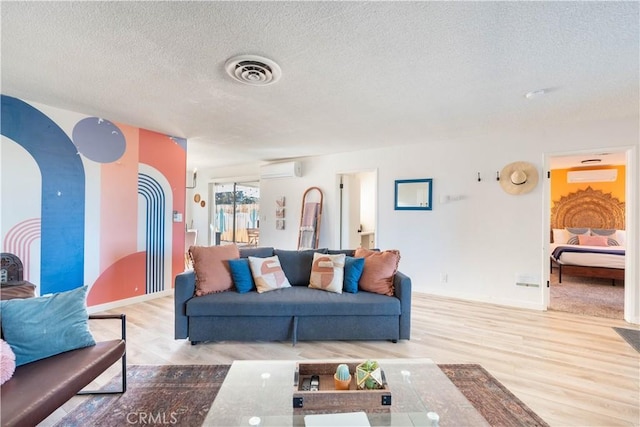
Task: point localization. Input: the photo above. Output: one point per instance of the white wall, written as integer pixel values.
(480, 242)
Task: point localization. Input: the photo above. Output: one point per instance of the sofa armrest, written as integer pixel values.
(402, 290)
(184, 289)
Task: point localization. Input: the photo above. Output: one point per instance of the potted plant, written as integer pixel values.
(369, 375)
(342, 377)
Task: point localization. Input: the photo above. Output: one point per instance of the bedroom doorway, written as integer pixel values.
(587, 233)
(357, 203)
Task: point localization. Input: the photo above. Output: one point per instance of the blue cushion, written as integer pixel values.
(352, 271)
(259, 252)
(347, 252)
(294, 301)
(297, 264)
(241, 274)
(37, 328)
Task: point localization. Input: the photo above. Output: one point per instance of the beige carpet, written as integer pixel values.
(586, 295)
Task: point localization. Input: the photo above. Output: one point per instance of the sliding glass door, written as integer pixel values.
(235, 214)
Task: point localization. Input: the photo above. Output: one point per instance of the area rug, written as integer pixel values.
(493, 400)
(181, 395)
(631, 336)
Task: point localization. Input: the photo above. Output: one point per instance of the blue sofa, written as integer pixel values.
(295, 313)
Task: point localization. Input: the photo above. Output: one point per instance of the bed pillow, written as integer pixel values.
(327, 272)
(40, 327)
(267, 274)
(211, 266)
(573, 233)
(241, 274)
(352, 272)
(560, 236)
(610, 234)
(592, 240)
(379, 269)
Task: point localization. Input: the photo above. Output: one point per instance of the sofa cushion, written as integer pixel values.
(268, 274)
(297, 264)
(241, 274)
(40, 327)
(379, 269)
(211, 265)
(327, 272)
(352, 272)
(293, 301)
(262, 252)
(347, 252)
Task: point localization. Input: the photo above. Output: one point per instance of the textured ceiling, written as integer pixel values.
(355, 74)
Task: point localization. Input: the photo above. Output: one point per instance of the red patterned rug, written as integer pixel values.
(181, 395)
(157, 395)
(493, 400)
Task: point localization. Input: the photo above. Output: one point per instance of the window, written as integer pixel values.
(235, 217)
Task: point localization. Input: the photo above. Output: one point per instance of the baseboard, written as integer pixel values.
(497, 301)
(128, 301)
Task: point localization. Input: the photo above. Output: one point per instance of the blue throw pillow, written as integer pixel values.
(352, 271)
(40, 327)
(241, 274)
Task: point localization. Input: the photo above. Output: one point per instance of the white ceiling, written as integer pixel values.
(354, 74)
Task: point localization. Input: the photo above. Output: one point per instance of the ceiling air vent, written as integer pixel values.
(253, 70)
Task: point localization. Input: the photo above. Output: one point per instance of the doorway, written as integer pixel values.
(358, 209)
(587, 217)
(235, 214)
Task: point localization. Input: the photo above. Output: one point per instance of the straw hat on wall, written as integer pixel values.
(519, 178)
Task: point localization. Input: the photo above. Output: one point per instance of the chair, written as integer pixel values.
(254, 235)
(11, 268)
(189, 240)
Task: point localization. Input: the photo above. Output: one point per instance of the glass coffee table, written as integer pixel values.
(260, 393)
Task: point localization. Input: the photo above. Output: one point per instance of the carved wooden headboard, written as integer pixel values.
(588, 208)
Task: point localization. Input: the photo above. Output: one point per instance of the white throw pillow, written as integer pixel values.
(267, 274)
(327, 272)
(560, 236)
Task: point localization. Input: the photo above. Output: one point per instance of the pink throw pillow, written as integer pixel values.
(7, 362)
(211, 265)
(379, 270)
(592, 240)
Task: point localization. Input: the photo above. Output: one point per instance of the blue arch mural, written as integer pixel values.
(63, 193)
(152, 191)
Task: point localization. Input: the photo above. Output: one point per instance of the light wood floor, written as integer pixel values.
(572, 370)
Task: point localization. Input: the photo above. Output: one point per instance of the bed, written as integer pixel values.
(587, 235)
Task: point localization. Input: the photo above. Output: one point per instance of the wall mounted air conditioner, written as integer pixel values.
(192, 178)
(281, 170)
(595, 175)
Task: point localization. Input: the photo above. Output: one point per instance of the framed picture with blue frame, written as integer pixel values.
(413, 194)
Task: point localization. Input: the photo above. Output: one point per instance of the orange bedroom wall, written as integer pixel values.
(560, 187)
